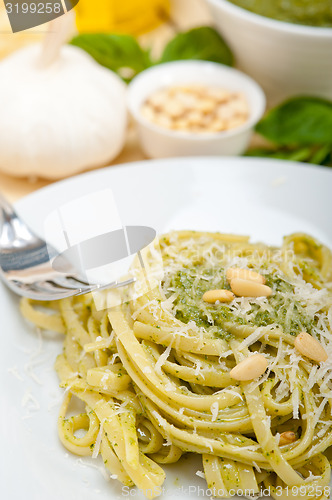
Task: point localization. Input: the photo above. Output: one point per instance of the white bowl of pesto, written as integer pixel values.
(289, 52)
(159, 142)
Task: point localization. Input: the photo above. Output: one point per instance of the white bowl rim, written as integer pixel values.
(301, 29)
(189, 136)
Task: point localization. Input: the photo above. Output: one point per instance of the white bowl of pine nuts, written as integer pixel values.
(189, 108)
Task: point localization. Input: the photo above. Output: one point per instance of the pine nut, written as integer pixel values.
(174, 108)
(250, 368)
(219, 95)
(225, 112)
(194, 118)
(244, 274)
(310, 347)
(206, 105)
(148, 112)
(240, 106)
(246, 288)
(158, 100)
(234, 123)
(287, 437)
(218, 125)
(163, 121)
(181, 124)
(221, 295)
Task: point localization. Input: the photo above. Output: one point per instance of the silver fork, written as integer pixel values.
(26, 263)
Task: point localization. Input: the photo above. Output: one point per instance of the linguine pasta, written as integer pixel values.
(154, 372)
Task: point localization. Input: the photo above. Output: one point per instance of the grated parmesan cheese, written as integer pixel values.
(256, 467)
(96, 447)
(30, 401)
(214, 411)
(162, 358)
(14, 371)
(100, 468)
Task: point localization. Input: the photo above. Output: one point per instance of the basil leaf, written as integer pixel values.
(260, 152)
(302, 154)
(120, 53)
(317, 156)
(202, 43)
(299, 121)
(322, 155)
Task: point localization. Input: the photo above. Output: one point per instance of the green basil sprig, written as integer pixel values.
(125, 56)
(300, 129)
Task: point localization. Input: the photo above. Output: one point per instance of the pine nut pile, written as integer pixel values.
(196, 108)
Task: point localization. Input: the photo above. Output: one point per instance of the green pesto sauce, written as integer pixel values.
(306, 12)
(190, 284)
(189, 305)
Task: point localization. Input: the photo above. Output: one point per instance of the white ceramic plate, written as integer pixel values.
(263, 198)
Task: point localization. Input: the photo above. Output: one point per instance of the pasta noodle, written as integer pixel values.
(154, 373)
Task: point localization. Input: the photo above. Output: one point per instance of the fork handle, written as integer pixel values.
(6, 209)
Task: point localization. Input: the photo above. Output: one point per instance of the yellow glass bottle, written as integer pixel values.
(120, 16)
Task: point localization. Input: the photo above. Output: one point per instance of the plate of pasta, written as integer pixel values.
(213, 380)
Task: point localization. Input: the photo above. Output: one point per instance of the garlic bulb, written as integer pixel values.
(59, 118)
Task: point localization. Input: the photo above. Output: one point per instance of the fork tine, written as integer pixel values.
(70, 283)
(114, 284)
